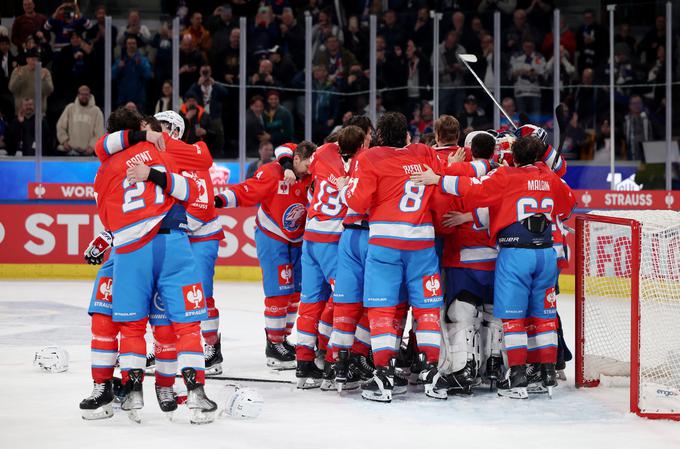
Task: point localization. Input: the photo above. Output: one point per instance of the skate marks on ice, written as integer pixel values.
(42, 323)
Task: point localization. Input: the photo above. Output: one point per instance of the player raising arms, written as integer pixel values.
(278, 238)
(400, 248)
(523, 202)
(151, 251)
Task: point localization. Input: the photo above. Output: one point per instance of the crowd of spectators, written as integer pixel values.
(70, 44)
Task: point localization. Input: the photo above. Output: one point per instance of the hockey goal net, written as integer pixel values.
(628, 305)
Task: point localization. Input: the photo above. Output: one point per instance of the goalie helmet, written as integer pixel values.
(174, 120)
(532, 130)
(51, 359)
(245, 403)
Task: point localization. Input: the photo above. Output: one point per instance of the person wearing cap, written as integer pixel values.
(22, 81)
(278, 121)
(473, 118)
(283, 67)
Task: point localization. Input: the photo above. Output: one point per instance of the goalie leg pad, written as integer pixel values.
(462, 334)
(165, 350)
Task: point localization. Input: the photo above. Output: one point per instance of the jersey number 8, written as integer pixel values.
(412, 198)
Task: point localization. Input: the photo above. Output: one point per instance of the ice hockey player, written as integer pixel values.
(351, 339)
(278, 239)
(400, 247)
(468, 262)
(151, 249)
(523, 201)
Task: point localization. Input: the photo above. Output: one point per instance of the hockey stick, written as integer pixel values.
(246, 379)
(562, 127)
(465, 58)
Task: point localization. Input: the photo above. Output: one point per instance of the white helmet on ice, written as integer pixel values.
(174, 121)
(51, 359)
(245, 403)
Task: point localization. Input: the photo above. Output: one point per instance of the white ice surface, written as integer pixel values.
(39, 410)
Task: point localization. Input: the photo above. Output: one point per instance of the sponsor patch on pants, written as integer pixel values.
(550, 300)
(104, 289)
(193, 296)
(286, 274)
(432, 286)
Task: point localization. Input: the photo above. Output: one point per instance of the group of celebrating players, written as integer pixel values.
(353, 234)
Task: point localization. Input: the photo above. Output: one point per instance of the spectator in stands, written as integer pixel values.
(190, 60)
(131, 106)
(419, 75)
(199, 35)
(29, 23)
(40, 43)
(589, 101)
(591, 42)
(95, 36)
(135, 29)
(7, 65)
(567, 40)
(22, 82)
(466, 38)
(22, 130)
(226, 68)
(526, 72)
(391, 30)
(624, 71)
(283, 67)
(292, 37)
(477, 31)
(324, 104)
(510, 108)
(567, 70)
(278, 121)
(625, 36)
(266, 155)
(473, 117)
(162, 42)
(657, 76)
(421, 35)
(335, 59)
(264, 32)
(654, 38)
(264, 77)
(65, 21)
(506, 7)
(423, 121)
(357, 81)
(164, 103)
(71, 66)
(212, 97)
(80, 125)
(196, 121)
(130, 72)
(575, 138)
(539, 13)
(356, 40)
(486, 61)
(255, 131)
(451, 73)
(324, 28)
(514, 37)
(637, 129)
(222, 20)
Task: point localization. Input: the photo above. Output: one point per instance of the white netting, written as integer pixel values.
(606, 274)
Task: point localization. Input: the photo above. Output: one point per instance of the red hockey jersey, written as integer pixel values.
(469, 244)
(283, 207)
(352, 217)
(548, 157)
(515, 193)
(399, 214)
(133, 212)
(326, 211)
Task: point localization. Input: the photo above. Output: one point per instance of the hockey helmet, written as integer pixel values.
(174, 121)
(244, 403)
(51, 359)
(532, 130)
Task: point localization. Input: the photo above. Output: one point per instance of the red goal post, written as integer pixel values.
(628, 306)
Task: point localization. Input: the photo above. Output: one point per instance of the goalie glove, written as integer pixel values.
(94, 254)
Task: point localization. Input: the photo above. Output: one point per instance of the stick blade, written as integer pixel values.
(561, 117)
(468, 57)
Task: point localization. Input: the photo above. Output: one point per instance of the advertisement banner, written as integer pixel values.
(59, 234)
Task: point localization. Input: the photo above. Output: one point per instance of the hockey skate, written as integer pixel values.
(308, 375)
(436, 385)
(150, 362)
(328, 382)
(99, 404)
(494, 370)
(213, 358)
(279, 356)
(548, 377)
(134, 397)
(514, 384)
(347, 376)
(166, 400)
(362, 365)
(118, 390)
(379, 388)
(202, 408)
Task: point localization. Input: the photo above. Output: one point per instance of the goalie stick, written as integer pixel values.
(562, 127)
(245, 379)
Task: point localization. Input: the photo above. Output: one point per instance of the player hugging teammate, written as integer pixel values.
(347, 232)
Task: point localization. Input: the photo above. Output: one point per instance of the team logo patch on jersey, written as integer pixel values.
(550, 300)
(104, 289)
(284, 188)
(193, 296)
(201, 184)
(286, 274)
(432, 286)
(294, 217)
(158, 302)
